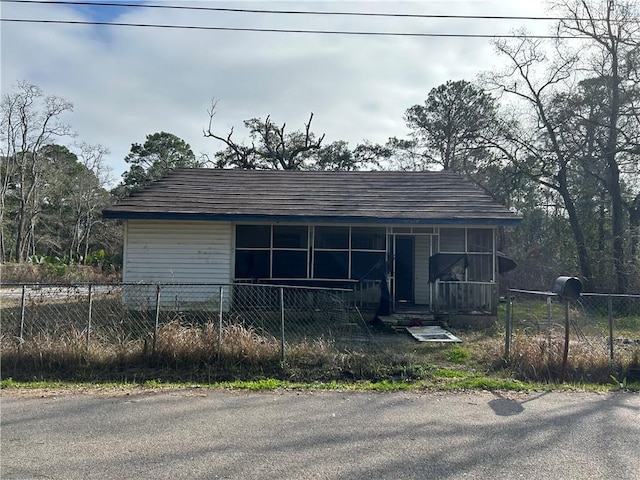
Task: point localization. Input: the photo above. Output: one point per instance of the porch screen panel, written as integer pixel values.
(271, 251)
(331, 252)
(331, 265)
(253, 252)
(369, 238)
(368, 253)
(253, 236)
(367, 265)
(480, 240)
(252, 264)
(477, 245)
(289, 264)
(452, 240)
(480, 256)
(290, 251)
(290, 236)
(333, 238)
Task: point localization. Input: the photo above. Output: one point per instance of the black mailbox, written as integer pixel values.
(567, 288)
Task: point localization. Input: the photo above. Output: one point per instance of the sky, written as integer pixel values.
(128, 82)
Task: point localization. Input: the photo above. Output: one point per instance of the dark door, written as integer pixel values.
(404, 262)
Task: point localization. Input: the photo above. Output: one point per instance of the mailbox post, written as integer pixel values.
(567, 288)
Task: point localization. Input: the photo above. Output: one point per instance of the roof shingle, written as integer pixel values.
(290, 196)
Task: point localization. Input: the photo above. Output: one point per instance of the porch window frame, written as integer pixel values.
(271, 249)
(471, 254)
(349, 250)
(310, 250)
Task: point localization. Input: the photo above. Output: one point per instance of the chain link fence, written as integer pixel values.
(107, 315)
(605, 325)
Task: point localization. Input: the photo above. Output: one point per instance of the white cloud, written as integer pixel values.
(128, 82)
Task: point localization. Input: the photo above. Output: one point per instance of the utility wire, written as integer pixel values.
(291, 30)
(299, 12)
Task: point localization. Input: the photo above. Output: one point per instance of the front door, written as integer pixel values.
(404, 275)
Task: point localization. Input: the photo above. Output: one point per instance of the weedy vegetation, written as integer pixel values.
(244, 356)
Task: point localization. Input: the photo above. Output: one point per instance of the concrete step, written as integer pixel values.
(414, 319)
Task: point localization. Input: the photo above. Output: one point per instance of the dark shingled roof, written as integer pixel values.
(302, 196)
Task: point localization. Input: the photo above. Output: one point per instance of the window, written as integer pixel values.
(253, 236)
(479, 240)
(332, 238)
(285, 236)
(271, 251)
(368, 238)
(452, 240)
(368, 252)
(252, 264)
(480, 246)
(253, 258)
(290, 251)
(329, 253)
(477, 246)
(367, 265)
(331, 264)
(480, 268)
(289, 264)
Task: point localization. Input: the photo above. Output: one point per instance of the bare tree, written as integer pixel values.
(578, 132)
(88, 197)
(270, 148)
(536, 80)
(613, 30)
(30, 121)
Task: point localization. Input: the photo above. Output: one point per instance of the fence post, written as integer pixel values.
(22, 308)
(507, 339)
(89, 318)
(220, 323)
(549, 326)
(565, 354)
(155, 329)
(282, 354)
(610, 307)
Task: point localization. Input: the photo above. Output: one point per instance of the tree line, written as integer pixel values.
(555, 136)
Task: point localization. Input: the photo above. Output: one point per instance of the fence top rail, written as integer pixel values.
(531, 292)
(584, 294)
(168, 284)
(59, 285)
(613, 295)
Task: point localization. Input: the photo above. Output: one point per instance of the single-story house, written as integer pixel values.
(428, 238)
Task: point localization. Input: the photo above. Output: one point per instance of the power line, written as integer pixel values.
(298, 12)
(289, 30)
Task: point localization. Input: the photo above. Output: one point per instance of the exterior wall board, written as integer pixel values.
(169, 252)
(177, 252)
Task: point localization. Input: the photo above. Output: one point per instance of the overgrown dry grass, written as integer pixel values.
(539, 358)
(19, 273)
(193, 353)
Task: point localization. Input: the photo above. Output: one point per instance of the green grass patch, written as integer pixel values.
(458, 354)
(447, 373)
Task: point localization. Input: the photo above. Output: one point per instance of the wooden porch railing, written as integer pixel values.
(466, 297)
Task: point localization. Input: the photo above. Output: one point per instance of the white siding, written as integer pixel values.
(421, 279)
(177, 252)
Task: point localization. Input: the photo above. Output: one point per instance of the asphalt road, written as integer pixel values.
(205, 434)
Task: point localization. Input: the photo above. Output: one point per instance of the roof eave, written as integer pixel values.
(129, 215)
